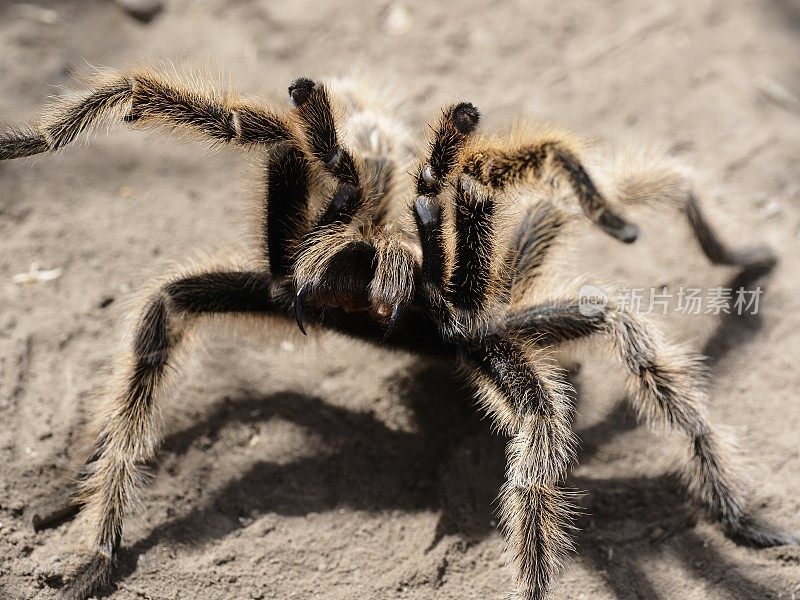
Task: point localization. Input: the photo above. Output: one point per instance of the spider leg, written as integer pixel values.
(647, 179)
(668, 386)
(313, 108)
(459, 278)
(500, 169)
(536, 236)
(285, 218)
(527, 398)
(128, 431)
(144, 98)
(717, 251)
(450, 136)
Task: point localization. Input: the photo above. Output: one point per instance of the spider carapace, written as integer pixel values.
(444, 262)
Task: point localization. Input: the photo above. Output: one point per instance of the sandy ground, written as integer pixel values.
(321, 468)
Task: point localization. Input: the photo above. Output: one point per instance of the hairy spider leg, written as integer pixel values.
(144, 98)
(285, 214)
(539, 232)
(717, 251)
(128, 434)
(527, 398)
(523, 393)
(500, 169)
(668, 387)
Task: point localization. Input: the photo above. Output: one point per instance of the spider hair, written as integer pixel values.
(341, 247)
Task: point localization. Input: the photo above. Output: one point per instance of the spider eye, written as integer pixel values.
(300, 90)
(466, 117)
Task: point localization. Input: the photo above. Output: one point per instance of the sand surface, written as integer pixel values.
(322, 468)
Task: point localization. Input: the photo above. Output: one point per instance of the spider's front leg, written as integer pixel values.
(528, 401)
(128, 432)
(145, 98)
(526, 397)
(459, 276)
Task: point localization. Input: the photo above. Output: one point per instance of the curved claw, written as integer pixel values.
(398, 312)
(298, 307)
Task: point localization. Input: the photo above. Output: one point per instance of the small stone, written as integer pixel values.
(772, 209)
(224, 559)
(398, 20)
(141, 10)
(105, 301)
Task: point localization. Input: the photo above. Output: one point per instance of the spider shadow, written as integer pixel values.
(734, 330)
(630, 522)
(359, 463)
(451, 463)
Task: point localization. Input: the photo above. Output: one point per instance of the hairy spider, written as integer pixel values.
(342, 246)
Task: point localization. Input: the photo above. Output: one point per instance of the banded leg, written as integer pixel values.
(645, 179)
(450, 136)
(144, 98)
(499, 169)
(527, 398)
(668, 386)
(462, 297)
(128, 434)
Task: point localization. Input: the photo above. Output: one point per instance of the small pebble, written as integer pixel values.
(141, 10)
(398, 20)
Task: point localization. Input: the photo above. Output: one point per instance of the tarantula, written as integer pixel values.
(343, 244)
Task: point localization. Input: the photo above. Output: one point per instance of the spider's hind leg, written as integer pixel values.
(668, 386)
(646, 179)
(717, 251)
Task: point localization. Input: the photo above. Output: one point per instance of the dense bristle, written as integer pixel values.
(336, 249)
